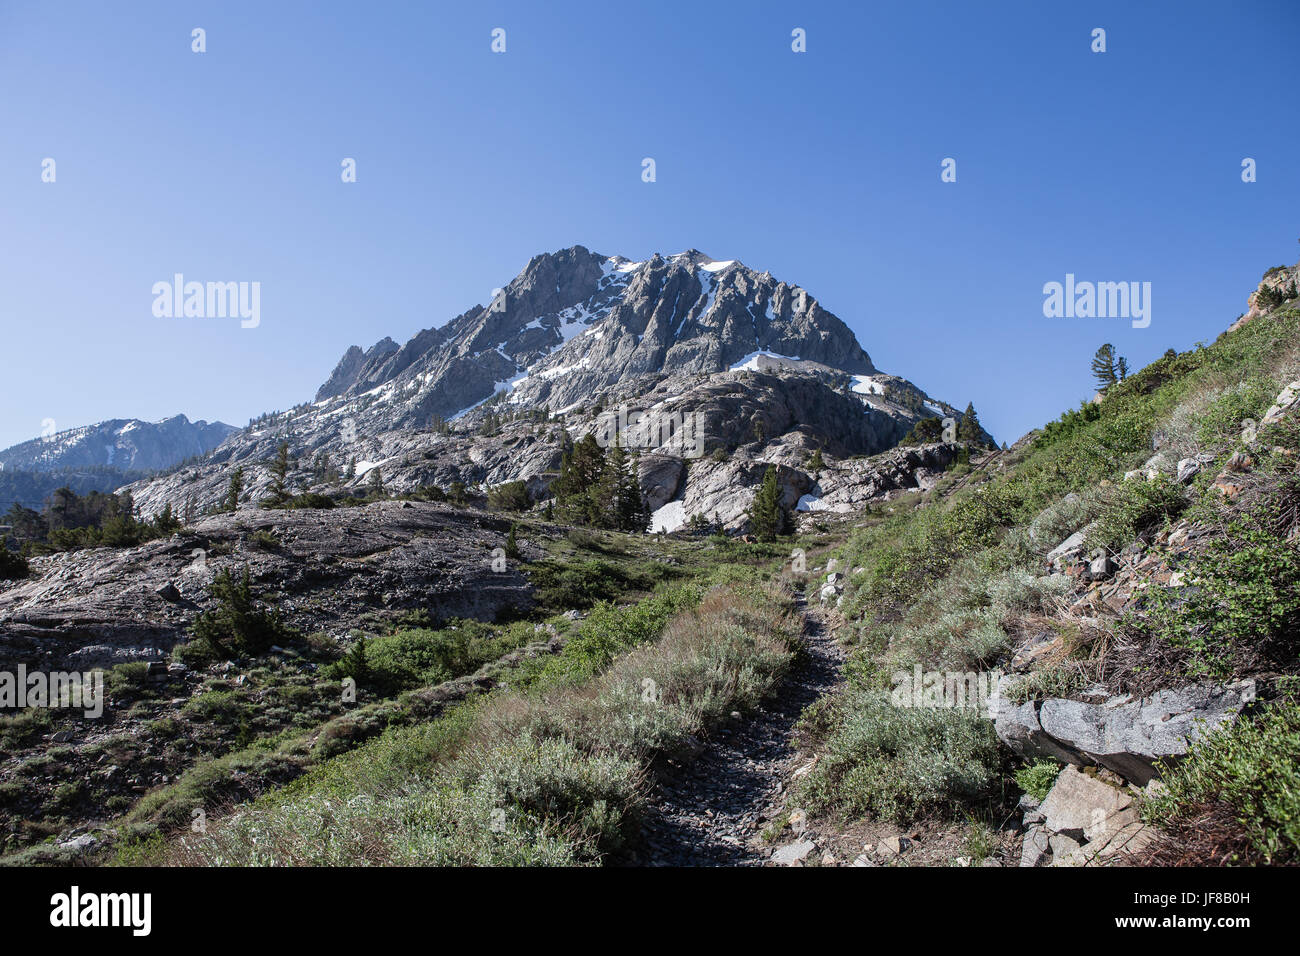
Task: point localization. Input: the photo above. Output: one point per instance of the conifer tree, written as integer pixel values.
(767, 518)
(234, 490)
(579, 487)
(627, 505)
(969, 429)
(1104, 366)
(279, 478)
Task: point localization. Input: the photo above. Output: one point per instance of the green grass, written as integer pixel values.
(953, 584)
(548, 773)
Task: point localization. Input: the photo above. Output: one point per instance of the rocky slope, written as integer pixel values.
(326, 571)
(721, 361)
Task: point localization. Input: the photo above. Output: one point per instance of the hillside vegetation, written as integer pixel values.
(960, 583)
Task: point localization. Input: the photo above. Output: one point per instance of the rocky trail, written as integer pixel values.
(712, 810)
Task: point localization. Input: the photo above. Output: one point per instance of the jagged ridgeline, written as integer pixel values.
(100, 457)
(758, 369)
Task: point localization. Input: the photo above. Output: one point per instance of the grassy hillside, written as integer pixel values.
(956, 584)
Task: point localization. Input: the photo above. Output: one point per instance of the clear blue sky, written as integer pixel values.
(822, 167)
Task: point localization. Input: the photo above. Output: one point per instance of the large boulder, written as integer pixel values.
(661, 477)
(1078, 805)
(1124, 735)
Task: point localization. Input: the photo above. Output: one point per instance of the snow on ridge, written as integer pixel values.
(762, 360)
(867, 385)
(617, 264)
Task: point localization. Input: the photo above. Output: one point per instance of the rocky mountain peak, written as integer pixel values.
(759, 361)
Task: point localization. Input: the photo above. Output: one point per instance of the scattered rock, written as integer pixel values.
(80, 844)
(1101, 568)
(893, 846)
(1066, 851)
(1036, 850)
(793, 853)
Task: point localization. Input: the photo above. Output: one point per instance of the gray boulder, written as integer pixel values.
(1127, 736)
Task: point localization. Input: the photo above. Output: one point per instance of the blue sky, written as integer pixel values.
(822, 167)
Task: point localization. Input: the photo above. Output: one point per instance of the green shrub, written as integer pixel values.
(510, 496)
(1250, 768)
(578, 584)
(218, 706)
(903, 763)
(1134, 507)
(12, 565)
(263, 540)
(1036, 778)
(239, 623)
(1244, 598)
(23, 727)
(1222, 420)
(132, 674)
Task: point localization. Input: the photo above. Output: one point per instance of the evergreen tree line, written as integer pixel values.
(969, 430)
(70, 521)
(600, 488)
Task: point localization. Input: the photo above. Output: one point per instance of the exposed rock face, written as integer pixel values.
(1124, 735)
(848, 485)
(352, 366)
(329, 568)
(756, 367)
(1280, 282)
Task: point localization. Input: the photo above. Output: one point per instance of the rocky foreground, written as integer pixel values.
(328, 571)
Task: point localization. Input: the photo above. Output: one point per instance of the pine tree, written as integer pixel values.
(628, 505)
(165, 521)
(355, 664)
(375, 479)
(279, 478)
(767, 518)
(815, 463)
(578, 489)
(1103, 367)
(512, 545)
(1122, 368)
(234, 490)
(969, 429)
